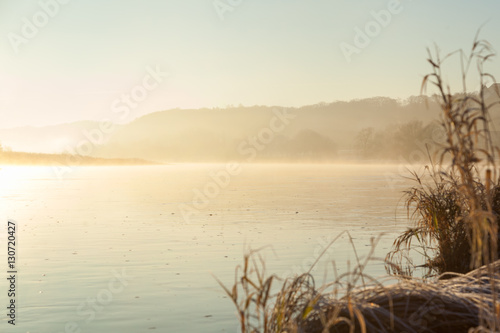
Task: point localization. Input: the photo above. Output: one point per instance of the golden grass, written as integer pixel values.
(455, 208)
(454, 205)
(455, 304)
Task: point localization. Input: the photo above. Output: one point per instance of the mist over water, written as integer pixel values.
(77, 234)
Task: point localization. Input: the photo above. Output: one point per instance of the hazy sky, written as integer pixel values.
(67, 60)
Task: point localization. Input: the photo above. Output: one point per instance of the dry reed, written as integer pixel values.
(457, 230)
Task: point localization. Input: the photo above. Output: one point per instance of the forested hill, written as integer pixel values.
(314, 132)
(374, 128)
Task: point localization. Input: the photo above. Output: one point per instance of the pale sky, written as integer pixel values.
(69, 60)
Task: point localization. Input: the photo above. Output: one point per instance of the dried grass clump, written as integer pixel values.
(461, 303)
(444, 226)
(453, 305)
(455, 203)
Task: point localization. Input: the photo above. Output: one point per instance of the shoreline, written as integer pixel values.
(40, 159)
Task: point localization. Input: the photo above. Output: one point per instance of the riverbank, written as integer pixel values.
(22, 158)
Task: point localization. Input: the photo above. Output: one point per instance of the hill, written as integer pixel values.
(368, 128)
(314, 132)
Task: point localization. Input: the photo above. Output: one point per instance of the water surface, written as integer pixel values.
(112, 249)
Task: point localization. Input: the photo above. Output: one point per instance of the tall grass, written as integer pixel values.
(455, 203)
(251, 293)
(356, 302)
(299, 305)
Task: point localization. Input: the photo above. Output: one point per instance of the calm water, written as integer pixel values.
(133, 249)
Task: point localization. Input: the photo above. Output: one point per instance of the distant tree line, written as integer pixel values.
(306, 145)
(398, 141)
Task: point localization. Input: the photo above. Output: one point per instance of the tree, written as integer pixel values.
(364, 141)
